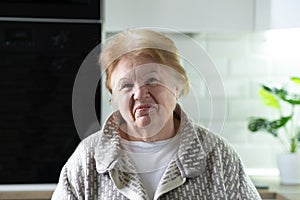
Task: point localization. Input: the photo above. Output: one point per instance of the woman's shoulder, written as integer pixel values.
(91, 140)
(85, 148)
(205, 133)
(212, 139)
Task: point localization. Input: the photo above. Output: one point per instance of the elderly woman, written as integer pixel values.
(148, 148)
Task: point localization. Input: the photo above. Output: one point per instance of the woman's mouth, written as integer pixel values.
(142, 110)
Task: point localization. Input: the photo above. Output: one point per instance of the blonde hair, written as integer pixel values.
(141, 42)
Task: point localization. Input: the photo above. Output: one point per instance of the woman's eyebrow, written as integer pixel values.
(151, 72)
(124, 79)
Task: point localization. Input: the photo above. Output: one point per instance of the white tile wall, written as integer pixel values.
(236, 87)
(249, 65)
(228, 45)
(236, 132)
(241, 109)
(244, 66)
(288, 68)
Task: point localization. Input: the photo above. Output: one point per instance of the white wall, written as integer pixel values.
(276, 14)
(245, 60)
(186, 16)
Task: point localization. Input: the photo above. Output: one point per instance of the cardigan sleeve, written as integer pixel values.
(238, 183)
(247, 188)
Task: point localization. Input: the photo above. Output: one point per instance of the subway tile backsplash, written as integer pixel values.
(244, 65)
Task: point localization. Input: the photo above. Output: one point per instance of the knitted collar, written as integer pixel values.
(193, 148)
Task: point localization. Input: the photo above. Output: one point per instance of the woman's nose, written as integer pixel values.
(141, 93)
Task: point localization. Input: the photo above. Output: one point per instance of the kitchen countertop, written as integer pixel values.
(25, 195)
(272, 189)
(27, 192)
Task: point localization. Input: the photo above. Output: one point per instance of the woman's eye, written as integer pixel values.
(152, 81)
(127, 86)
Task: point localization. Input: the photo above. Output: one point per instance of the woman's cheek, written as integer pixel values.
(125, 105)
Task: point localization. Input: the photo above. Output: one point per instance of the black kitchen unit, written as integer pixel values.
(55, 9)
(39, 61)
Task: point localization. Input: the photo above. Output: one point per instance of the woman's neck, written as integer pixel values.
(168, 131)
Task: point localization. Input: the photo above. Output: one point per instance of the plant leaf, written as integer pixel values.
(256, 124)
(296, 80)
(273, 90)
(280, 122)
(267, 88)
(282, 94)
(262, 124)
(292, 99)
(298, 134)
(293, 145)
(268, 98)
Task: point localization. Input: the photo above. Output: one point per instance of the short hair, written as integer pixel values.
(141, 42)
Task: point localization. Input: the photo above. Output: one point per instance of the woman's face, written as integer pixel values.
(145, 94)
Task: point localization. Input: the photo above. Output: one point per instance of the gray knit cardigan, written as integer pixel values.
(205, 167)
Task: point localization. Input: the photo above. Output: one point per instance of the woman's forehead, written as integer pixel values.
(136, 66)
(141, 68)
(130, 62)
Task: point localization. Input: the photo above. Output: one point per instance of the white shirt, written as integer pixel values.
(151, 159)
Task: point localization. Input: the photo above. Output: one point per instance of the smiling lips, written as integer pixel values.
(142, 110)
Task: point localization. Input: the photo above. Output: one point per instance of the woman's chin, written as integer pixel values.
(147, 127)
(143, 121)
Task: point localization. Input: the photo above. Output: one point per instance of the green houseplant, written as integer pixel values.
(285, 99)
(290, 123)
